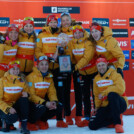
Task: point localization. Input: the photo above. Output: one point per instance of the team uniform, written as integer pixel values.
(114, 101)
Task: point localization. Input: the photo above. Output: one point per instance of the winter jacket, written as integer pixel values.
(82, 52)
(108, 46)
(7, 52)
(111, 81)
(11, 88)
(46, 45)
(26, 51)
(40, 87)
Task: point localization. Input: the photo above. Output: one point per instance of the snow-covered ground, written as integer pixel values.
(73, 129)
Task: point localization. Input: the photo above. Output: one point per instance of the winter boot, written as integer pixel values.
(77, 119)
(24, 129)
(83, 123)
(69, 120)
(32, 127)
(42, 125)
(62, 124)
(119, 128)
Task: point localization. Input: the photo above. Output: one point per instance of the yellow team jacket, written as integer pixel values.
(40, 86)
(7, 52)
(108, 46)
(83, 52)
(110, 82)
(46, 45)
(11, 88)
(26, 51)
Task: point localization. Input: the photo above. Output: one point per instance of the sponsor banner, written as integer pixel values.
(49, 9)
(126, 53)
(132, 44)
(18, 21)
(132, 65)
(130, 109)
(101, 21)
(39, 22)
(4, 21)
(78, 51)
(126, 66)
(132, 33)
(120, 32)
(103, 83)
(10, 52)
(119, 22)
(42, 85)
(123, 43)
(131, 22)
(132, 54)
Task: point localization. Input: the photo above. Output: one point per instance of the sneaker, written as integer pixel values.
(69, 120)
(62, 124)
(77, 119)
(119, 128)
(42, 125)
(32, 127)
(83, 123)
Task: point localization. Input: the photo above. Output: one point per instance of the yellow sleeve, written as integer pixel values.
(116, 51)
(1, 51)
(87, 57)
(3, 105)
(38, 49)
(33, 97)
(52, 92)
(118, 85)
(96, 94)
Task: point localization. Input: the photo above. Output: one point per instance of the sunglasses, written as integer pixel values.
(62, 14)
(28, 18)
(43, 58)
(14, 62)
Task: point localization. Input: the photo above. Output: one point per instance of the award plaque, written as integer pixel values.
(65, 63)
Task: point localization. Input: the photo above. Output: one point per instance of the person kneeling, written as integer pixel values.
(110, 98)
(42, 87)
(13, 99)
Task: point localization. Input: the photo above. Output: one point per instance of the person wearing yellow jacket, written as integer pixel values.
(13, 98)
(43, 92)
(8, 49)
(26, 50)
(110, 97)
(107, 46)
(47, 45)
(83, 52)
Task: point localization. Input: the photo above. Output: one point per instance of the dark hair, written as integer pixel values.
(91, 37)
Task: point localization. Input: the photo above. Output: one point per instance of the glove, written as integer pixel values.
(119, 70)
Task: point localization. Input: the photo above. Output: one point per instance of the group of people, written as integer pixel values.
(33, 94)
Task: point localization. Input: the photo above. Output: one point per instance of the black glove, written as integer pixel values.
(73, 68)
(61, 50)
(119, 70)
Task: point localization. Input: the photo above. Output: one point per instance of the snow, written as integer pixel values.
(73, 129)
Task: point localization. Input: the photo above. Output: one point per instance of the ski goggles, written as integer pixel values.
(41, 58)
(65, 13)
(13, 64)
(12, 27)
(78, 28)
(28, 20)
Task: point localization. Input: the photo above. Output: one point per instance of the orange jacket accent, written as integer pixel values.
(40, 86)
(111, 81)
(26, 51)
(11, 88)
(108, 46)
